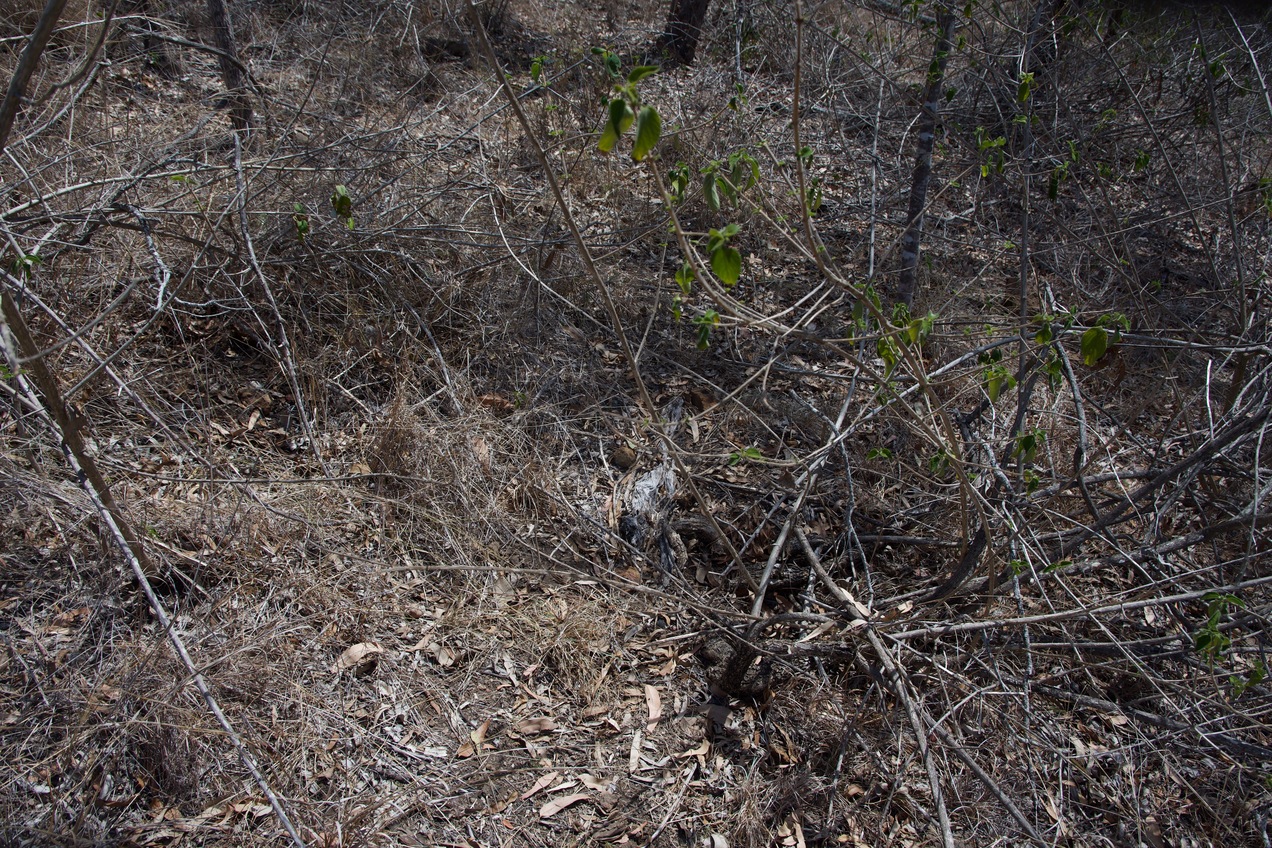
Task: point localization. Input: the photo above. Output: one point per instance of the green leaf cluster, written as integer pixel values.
(300, 218)
(625, 109)
(993, 152)
(24, 266)
(706, 322)
(724, 180)
(1209, 640)
(1097, 340)
(1027, 444)
(995, 377)
(342, 203)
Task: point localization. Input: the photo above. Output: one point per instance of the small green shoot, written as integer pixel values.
(24, 266)
(706, 322)
(1027, 444)
(342, 203)
(301, 219)
(1209, 640)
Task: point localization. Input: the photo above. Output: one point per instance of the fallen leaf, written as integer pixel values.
(592, 782)
(901, 610)
(361, 657)
(654, 702)
(596, 710)
(532, 726)
(504, 593)
(633, 757)
(553, 807)
(496, 403)
(476, 738)
(481, 450)
(702, 750)
(540, 784)
(420, 645)
(445, 656)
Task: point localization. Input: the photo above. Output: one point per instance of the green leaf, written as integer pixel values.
(919, 329)
(301, 219)
(678, 179)
(1095, 343)
(727, 265)
(24, 265)
(685, 277)
(1024, 88)
(998, 378)
(1027, 444)
(749, 454)
(648, 131)
(612, 61)
(620, 118)
(640, 72)
(710, 190)
(1032, 481)
(536, 68)
(939, 462)
(706, 322)
(342, 202)
(886, 347)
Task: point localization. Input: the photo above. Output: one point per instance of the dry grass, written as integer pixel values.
(457, 498)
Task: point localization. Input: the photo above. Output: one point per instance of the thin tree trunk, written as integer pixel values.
(26, 67)
(240, 106)
(158, 52)
(679, 41)
(910, 241)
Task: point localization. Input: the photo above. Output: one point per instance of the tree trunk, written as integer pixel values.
(231, 68)
(910, 242)
(26, 67)
(679, 41)
(158, 52)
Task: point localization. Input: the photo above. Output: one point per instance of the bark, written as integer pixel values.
(913, 237)
(26, 67)
(679, 41)
(231, 68)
